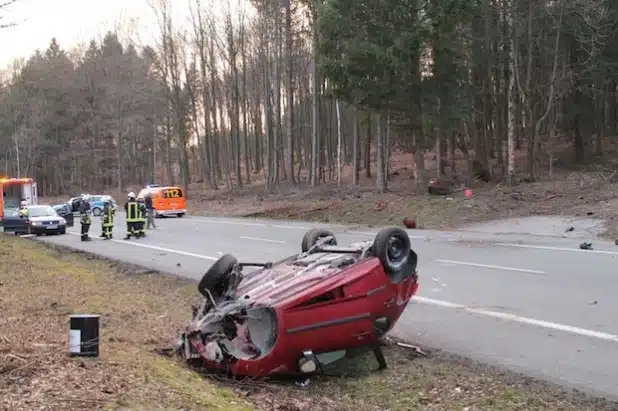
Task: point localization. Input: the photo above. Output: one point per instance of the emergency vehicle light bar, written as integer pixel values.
(15, 180)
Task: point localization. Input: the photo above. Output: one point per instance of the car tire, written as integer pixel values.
(312, 236)
(180, 215)
(393, 249)
(217, 278)
(96, 211)
(62, 231)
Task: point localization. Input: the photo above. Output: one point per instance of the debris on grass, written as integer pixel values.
(142, 314)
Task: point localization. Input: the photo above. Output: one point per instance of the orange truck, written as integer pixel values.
(13, 191)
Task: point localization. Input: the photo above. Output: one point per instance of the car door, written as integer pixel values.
(64, 211)
(13, 222)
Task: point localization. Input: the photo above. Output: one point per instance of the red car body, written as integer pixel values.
(327, 300)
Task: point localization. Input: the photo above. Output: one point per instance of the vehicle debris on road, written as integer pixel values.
(585, 246)
(303, 313)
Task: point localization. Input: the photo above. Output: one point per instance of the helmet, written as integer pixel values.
(131, 194)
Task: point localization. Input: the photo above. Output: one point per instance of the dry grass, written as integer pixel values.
(40, 287)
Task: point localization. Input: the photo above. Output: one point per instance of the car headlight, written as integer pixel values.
(34, 223)
(62, 221)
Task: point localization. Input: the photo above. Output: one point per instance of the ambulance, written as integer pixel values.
(13, 191)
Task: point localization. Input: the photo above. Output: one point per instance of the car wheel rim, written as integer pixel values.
(396, 252)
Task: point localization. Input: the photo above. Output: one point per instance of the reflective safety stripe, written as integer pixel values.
(132, 212)
(108, 219)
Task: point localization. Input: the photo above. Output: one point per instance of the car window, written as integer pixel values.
(95, 198)
(41, 211)
(10, 212)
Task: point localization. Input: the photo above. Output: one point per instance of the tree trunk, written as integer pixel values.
(355, 150)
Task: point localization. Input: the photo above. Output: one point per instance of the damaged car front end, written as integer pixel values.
(282, 317)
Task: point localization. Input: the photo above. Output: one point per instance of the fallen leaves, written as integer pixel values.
(141, 314)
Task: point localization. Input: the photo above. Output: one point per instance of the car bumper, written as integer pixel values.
(170, 212)
(47, 229)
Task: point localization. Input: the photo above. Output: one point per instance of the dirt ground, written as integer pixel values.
(577, 194)
(143, 312)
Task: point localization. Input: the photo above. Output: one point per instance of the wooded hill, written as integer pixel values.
(292, 90)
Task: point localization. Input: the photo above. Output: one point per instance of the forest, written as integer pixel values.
(293, 91)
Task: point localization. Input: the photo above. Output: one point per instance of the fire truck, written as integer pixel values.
(13, 191)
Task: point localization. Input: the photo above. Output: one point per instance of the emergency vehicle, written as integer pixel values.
(13, 191)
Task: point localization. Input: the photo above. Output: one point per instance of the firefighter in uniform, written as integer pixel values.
(131, 208)
(141, 225)
(84, 218)
(23, 208)
(23, 211)
(108, 220)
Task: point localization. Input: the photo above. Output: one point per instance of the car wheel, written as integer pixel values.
(180, 215)
(217, 278)
(312, 236)
(96, 211)
(393, 249)
(62, 231)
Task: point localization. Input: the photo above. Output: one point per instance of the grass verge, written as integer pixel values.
(40, 287)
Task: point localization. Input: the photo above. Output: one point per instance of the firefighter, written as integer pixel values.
(141, 224)
(150, 209)
(23, 208)
(84, 218)
(132, 210)
(108, 220)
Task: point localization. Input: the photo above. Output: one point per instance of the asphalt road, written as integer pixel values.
(533, 303)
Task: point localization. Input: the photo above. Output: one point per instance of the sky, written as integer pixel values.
(76, 21)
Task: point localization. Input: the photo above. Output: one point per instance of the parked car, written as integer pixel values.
(295, 316)
(96, 203)
(65, 211)
(41, 219)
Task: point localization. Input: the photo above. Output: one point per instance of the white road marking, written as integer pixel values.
(584, 332)
(154, 247)
(288, 226)
(446, 304)
(544, 247)
(249, 224)
(412, 237)
(266, 240)
(497, 267)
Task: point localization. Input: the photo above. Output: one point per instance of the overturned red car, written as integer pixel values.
(290, 317)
